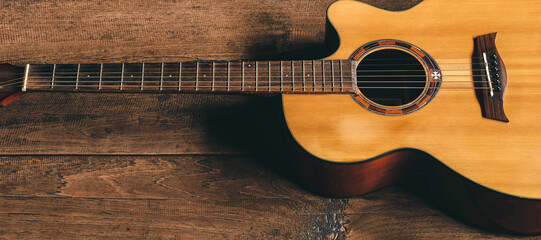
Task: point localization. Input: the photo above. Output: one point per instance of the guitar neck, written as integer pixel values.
(317, 76)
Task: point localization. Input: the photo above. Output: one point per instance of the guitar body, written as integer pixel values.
(482, 170)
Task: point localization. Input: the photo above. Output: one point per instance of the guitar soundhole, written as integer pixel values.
(395, 77)
(391, 77)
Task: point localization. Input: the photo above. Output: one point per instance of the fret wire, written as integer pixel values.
(256, 72)
(122, 76)
(332, 71)
(353, 74)
(77, 78)
(228, 74)
(292, 77)
(303, 78)
(142, 75)
(314, 74)
(281, 78)
(213, 76)
(196, 75)
(52, 78)
(161, 78)
(25, 81)
(101, 74)
(341, 79)
(242, 75)
(269, 68)
(323, 72)
(179, 75)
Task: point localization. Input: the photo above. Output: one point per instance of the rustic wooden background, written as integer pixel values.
(173, 166)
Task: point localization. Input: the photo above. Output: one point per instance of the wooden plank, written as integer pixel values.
(150, 31)
(396, 213)
(188, 197)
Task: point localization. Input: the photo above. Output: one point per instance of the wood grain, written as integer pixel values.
(167, 197)
(58, 178)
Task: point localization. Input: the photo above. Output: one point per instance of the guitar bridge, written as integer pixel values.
(489, 77)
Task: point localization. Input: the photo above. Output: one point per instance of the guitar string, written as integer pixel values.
(262, 70)
(319, 81)
(276, 71)
(174, 74)
(264, 79)
(247, 76)
(233, 81)
(264, 88)
(327, 71)
(264, 73)
(264, 64)
(262, 83)
(296, 62)
(229, 76)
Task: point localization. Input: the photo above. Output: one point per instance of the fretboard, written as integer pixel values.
(318, 76)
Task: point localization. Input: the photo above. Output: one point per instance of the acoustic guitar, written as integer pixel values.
(447, 94)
